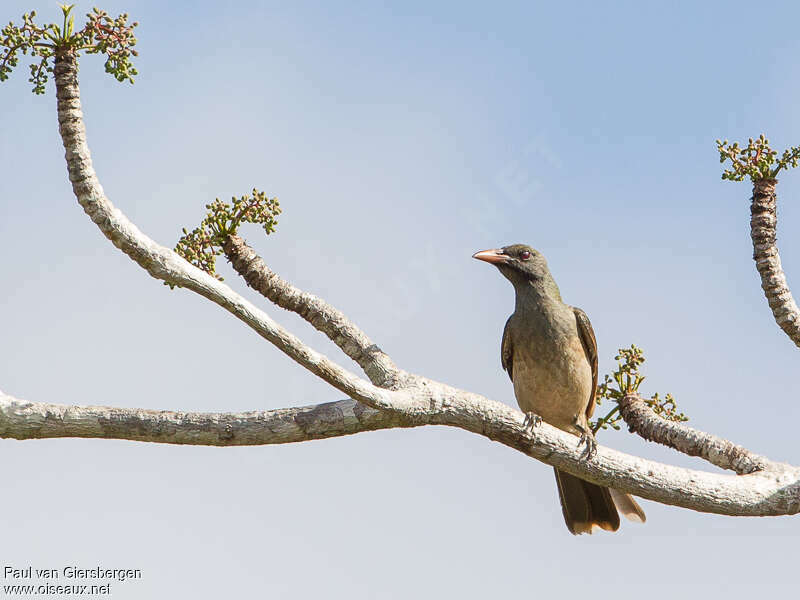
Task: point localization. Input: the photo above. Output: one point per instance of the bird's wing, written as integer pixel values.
(507, 350)
(590, 346)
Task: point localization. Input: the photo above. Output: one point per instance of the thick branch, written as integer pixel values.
(763, 224)
(720, 452)
(23, 420)
(380, 369)
(773, 492)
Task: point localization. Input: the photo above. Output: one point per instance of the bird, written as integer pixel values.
(549, 351)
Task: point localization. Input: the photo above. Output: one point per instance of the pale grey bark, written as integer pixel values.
(763, 226)
(772, 490)
(24, 420)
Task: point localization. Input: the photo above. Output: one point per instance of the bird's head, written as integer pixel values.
(519, 263)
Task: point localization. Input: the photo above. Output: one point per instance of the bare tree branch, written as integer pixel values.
(763, 225)
(24, 420)
(720, 452)
(380, 369)
(773, 492)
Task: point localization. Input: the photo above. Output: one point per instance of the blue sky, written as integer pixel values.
(400, 138)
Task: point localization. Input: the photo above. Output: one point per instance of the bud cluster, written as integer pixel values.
(757, 160)
(115, 39)
(625, 380)
(100, 35)
(203, 244)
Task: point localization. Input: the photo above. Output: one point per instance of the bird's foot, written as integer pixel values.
(587, 437)
(532, 421)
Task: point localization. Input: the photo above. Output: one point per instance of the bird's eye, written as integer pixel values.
(524, 255)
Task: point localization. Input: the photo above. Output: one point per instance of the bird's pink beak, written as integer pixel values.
(494, 256)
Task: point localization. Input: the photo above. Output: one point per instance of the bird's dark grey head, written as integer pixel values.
(522, 265)
(518, 262)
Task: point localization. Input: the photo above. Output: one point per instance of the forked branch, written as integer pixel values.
(392, 399)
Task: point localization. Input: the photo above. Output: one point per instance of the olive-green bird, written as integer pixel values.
(550, 353)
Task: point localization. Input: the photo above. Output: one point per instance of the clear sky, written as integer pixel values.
(400, 138)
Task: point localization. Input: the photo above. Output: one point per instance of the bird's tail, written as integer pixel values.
(626, 505)
(586, 505)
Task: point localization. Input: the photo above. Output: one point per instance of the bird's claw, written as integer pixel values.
(532, 421)
(587, 437)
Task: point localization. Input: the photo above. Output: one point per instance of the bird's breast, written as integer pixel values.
(553, 378)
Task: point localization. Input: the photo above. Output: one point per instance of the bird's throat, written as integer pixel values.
(541, 293)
